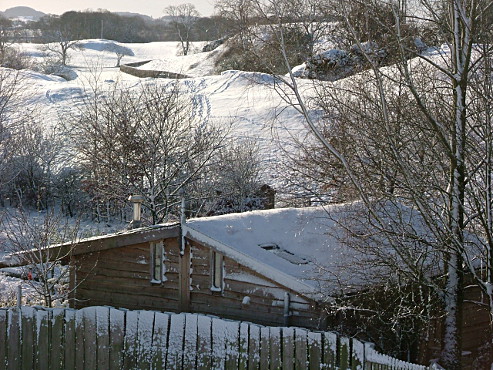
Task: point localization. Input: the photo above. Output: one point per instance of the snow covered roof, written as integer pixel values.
(292, 246)
(321, 251)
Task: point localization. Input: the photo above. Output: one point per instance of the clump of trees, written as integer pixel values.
(177, 25)
(10, 56)
(254, 44)
(143, 140)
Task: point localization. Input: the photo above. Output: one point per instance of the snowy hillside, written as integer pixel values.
(230, 98)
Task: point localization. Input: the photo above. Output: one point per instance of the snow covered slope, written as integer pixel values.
(246, 100)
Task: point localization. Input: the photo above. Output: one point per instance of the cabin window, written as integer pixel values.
(217, 262)
(158, 257)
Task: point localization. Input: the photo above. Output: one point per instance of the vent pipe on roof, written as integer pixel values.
(137, 214)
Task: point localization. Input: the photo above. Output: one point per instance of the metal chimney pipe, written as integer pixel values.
(137, 215)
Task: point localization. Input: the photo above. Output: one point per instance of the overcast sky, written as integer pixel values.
(154, 8)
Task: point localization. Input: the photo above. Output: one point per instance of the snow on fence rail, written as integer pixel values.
(109, 338)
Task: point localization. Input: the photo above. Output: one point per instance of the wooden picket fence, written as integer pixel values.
(109, 338)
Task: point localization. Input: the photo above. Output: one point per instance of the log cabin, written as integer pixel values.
(253, 266)
(269, 267)
(149, 268)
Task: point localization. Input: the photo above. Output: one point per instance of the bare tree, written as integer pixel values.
(60, 37)
(184, 17)
(231, 183)
(15, 114)
(28, 240)
(412, 136)
(239, 13)
(5, 36)
(143, 141)
(120, 51)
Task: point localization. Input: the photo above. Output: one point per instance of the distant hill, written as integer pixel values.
(23, 11)
(146, 18)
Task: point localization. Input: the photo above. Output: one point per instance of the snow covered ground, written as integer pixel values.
(233, 97)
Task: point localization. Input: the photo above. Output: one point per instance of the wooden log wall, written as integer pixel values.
(265, 297)
(121, 277)
(477, 332)
(108, 338)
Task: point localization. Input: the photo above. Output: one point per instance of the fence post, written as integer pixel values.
(357, 354)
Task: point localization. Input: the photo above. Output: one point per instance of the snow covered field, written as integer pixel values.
(248, 101)
(233, 97)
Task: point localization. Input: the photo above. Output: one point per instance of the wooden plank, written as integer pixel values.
(174, 358)
(57, 340)
(28, 335)
(90, 338)
(184, 279)
(14, 338)
(160, 340)
(134, 291)
(344, 353)
(131, 340)
(254, 347)
(128, 263)
(314, 350)
(129, 286)
(301, 360)
(117, 272)
(232, 340)
(237, 282)
(144, 339)
(69, 343)
(42, 339)
(3, 338)
(233, 299)
(243, 346)
(264, 347)
(126, 300)
(125, 269)
(288, 353)
(357, 354)
(204, 344)
(218, 344)
(275, 347)
(190, 345)
(79, 339)
(235, 312)
(329, 356)
(103, 337)
(117, 335)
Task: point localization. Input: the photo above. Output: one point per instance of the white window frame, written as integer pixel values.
(217, 271)
(158, 258)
